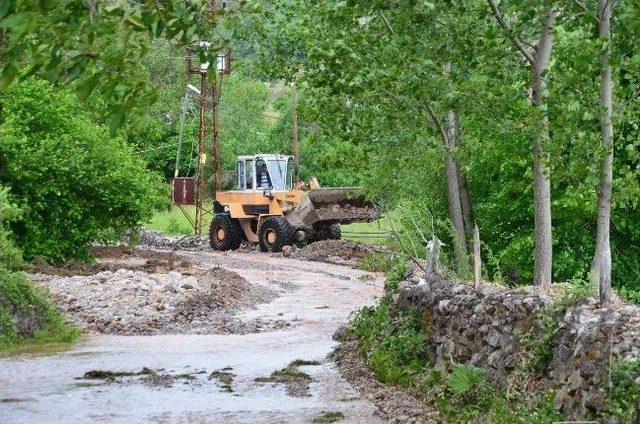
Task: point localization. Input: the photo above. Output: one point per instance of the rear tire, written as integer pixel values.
(225, 233)
(275, 233)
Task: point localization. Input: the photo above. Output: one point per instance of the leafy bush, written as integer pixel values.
(74, 183)
(10, 255)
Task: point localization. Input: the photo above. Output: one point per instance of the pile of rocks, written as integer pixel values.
(137, 302)
(338, 252)
(491, 327)
(481, 327)
(157, 239)
(591, 343)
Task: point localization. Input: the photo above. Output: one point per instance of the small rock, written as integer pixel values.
(286, 251)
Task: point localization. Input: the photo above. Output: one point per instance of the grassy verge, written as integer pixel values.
(27, 316)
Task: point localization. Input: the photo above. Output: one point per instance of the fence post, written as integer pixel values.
(477, 261)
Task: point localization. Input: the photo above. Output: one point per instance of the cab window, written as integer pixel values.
(241, 175)
(248, 174)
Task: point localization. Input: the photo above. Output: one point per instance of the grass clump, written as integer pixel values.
(172, 221)
(26, 314)
(379, 262)
(329, 417)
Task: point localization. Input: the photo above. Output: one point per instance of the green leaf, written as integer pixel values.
(463, 378)
(5, 5)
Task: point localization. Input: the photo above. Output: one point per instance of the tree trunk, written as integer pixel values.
(463, 187)
(541, 161)
(601, 268)
(453, 188)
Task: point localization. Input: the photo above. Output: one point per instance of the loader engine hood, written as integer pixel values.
(332, 205)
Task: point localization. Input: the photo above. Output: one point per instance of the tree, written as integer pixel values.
(74, 183)
(109, 39)
(602, 258)
(539, 62)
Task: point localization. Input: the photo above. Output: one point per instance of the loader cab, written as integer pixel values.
(265, 172)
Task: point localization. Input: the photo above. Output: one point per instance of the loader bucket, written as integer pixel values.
(332, 205)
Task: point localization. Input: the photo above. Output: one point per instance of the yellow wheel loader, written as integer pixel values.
(269, 209)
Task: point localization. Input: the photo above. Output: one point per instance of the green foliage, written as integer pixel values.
(463, 378)
(365, 74)
(74, 182)
(106, 57)
(395, 352)
(10, 255)
(380, 262)
(26, 315)
(623, 394)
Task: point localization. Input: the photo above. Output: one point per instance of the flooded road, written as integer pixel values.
(206, 378)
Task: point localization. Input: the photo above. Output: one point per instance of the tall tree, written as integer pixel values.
(601, 271)
(539, 61)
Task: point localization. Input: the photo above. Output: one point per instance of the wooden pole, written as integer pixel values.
(294, 128)
(477, 261)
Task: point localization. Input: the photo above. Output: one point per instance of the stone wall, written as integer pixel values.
(495, 329)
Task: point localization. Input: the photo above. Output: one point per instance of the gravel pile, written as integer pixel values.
(338, 252)
(157, 239)
(137, 302)
(347, 213)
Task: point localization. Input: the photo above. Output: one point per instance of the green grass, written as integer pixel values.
(174, 222)
(361, 231)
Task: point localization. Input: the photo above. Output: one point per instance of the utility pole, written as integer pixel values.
(294, 128)
(209, 127)
(208, 133)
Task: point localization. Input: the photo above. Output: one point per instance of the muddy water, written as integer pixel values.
(44, 387)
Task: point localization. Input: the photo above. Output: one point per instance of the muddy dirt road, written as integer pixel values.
(264, 374)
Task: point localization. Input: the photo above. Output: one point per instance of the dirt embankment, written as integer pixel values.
(148, 292)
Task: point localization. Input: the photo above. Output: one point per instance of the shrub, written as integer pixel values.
(10, 255)
(74, 182)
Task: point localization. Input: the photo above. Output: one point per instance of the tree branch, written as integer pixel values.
(507, 29)
(437, 123)
(582, 5)
(386, 22)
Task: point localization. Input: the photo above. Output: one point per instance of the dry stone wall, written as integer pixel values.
(497, 329)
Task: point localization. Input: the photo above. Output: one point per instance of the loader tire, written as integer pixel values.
(225, 233)
(334, 232)
(275, 233)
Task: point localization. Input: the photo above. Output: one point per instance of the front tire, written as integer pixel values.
(275, 233)
(225, 233)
